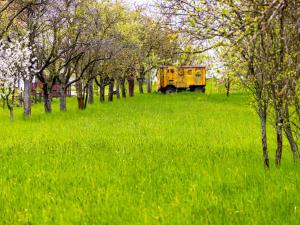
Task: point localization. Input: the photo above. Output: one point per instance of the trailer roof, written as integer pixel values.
(199, 66)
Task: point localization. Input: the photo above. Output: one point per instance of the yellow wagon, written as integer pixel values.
(171, 79)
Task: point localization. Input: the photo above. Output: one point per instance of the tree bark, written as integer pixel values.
(227, 85)
(80, 101)
(27, 97)
(111, 90)
(141, 81)
(47, 103)
(123, 89)
(263, 122)
(149, 85)
(289, 134)
(11, 113)
(297, 105)
(131, 86)
(118, 90)
(63, 100)
(86, 97)
(279, 124)
(11, 109)
(91, 92)
(102, 92)
(47, 99)
(20, 99)
(262, 109)
(80, 95)
(277, 98)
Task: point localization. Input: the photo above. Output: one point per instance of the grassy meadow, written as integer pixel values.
(186, 158)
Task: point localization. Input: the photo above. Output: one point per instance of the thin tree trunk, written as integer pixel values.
(262, 109)
(289, 134)
(149, 85)
(297, 105)
(118, 90)
(63, 100)
(80, 95)
(20, 98)
(279, 124)
(263, 122)
(27, 97)
(11, 113)
(102, 92)
(91, 92)
(123, 89)
(141, 81)
(111, 90)
(277, 100)
(86, 97)
(227, 85)
(47, 99)
(47, 103)
(11, 109)
(131, 86)
(80, 101)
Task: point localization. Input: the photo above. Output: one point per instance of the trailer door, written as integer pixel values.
(198, 76)
(181, 79)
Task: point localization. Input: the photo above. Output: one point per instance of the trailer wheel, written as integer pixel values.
(199, 89)
(170, 90)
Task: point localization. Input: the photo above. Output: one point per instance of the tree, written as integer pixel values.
(261, 40)
(16, 63)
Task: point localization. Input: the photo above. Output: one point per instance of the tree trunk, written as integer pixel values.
(123, 89)
(63, 100)
(263, 122)
(32, 28)
(149, 85)
(289, 134)
(131, 86)
(102, 92)
(11, 109)
(141, 81)
(118, 90)
(279, 123)
(227, 85)
(297, 105)
(91, 92)
(80, 95)
(47, 103)
(111, 90)
(47, 99)
(20, 99)
(277, 99)
(80, 101)
(86, 97)
(27, 97)
(11, 113)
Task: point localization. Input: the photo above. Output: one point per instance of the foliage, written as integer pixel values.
(16, 65)
(15, 61)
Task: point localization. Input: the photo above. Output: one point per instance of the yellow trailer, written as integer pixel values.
(171, 79)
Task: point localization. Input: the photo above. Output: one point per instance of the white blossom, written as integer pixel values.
(16, 63)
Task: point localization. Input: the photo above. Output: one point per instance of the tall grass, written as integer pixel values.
(186, 158)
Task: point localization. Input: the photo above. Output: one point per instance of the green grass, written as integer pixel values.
(186, 158)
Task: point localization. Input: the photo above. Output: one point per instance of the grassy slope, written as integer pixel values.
(153, 159)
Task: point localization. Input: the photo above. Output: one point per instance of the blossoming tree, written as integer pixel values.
(16, 64)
